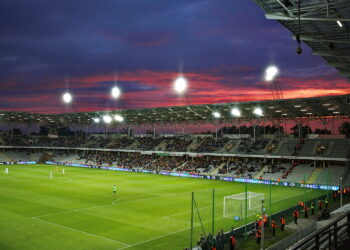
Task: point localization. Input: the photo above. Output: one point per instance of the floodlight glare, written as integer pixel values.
(96, 120)
(107, 119)
(236, 112)
(118, 118)
(115, 92)
(270, 73)
(258, 111)
(67, 97)
(180, 85)
(216, 114)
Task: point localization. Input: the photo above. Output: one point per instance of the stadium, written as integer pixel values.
(271, 173)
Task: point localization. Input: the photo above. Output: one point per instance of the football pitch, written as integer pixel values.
(76, 210)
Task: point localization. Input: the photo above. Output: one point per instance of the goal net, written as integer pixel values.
(235, 205)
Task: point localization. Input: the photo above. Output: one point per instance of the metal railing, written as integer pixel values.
(328, 236)
(290, 240)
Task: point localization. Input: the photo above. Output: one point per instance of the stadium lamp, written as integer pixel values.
(115, 92)
(270, 73)
(216, 114)
(236, 112)
(258, 111)
(107, 119)
(118, 118)
(339, 24)
(96, 120)
(180, 85)
(67, 97)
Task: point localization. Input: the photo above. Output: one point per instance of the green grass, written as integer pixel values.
(76, 210)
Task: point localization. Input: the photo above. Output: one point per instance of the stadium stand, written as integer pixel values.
(219, 156)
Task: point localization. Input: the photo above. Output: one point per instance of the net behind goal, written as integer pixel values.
(235, 205)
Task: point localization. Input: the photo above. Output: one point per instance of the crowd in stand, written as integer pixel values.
(178, 144)
(210, 144)
(149, 143)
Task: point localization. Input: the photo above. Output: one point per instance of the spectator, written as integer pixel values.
(232, 242)
(283, 223)
(274, 227)
(296, 215)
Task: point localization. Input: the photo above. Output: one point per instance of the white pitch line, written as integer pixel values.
(155, 238)
(188, 211)
(105, 205)
(79, 231)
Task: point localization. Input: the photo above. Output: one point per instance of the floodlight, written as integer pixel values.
(67, 97)
(339, 24)
(258, 111)
(107, 119)
(115, 92)
(236, 112)
(96, 120)
(216, 114)
(270, 73)
(118, 118)
(180, 85)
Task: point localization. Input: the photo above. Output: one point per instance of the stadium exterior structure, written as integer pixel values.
(300, 110)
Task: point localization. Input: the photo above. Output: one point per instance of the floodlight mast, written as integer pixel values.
(271, 74)
(180, 85)
(115, 92)
(67, 97)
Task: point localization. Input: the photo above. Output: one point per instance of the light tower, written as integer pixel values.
(180, 85)
(115, 92)
(67, 97)
(271, 73)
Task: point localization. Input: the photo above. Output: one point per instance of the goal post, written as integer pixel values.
(234, 205)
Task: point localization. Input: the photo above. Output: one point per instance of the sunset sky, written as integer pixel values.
(221, 46)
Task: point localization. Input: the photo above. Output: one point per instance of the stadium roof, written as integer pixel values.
(324, 27)
(316, 107)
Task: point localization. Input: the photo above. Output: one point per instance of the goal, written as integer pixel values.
(234, 205)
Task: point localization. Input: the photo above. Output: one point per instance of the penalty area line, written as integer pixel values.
(79, 231)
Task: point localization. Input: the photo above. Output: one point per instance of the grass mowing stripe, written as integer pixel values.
(150, 213)
(79, 231)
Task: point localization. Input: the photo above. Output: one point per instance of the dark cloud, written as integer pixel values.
(222, 47)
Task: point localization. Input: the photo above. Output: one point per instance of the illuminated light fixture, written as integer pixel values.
(278, 111)
(336, 112)
(258, 111)
(284, 114)
(339, 24)
(67, 97)
(326, 104)
(303, 110)
(107, 119)
(118, 118)
(331, 109)
(180, 85)
(236, 112)
(309, 113)
(96, 120)
(270, 73)
(297, 106)
(216, 114)
(115, 92)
